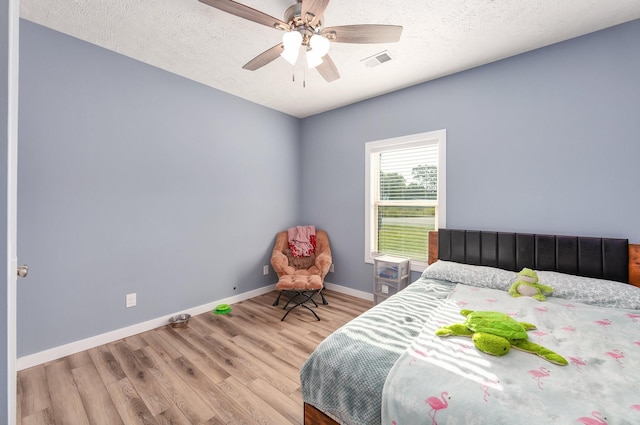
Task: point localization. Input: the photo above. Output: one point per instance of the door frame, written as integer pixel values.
(12, 189)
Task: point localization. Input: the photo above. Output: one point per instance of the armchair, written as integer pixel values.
(301, 277)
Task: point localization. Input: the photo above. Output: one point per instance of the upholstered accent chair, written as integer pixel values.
(300, 278)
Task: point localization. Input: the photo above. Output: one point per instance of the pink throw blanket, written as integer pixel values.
(302, 240)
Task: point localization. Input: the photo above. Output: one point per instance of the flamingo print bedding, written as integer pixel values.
(449, 381)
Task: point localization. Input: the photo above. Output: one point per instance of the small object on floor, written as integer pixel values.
(179, 320)
(222, 309)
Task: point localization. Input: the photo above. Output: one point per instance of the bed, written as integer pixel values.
(387, 366)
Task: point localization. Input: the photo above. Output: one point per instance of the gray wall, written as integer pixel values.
(135, 180)
(4, 65)
(543, 142)
(132, 179)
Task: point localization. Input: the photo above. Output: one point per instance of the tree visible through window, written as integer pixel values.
(405, 181)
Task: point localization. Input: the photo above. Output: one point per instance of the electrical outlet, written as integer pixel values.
(331, 269)
(385, 289)
(265, 270)
(131, 300)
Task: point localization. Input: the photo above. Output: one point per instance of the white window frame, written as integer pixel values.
(437, 136)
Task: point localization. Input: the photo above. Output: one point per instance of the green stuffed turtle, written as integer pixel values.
(495, 333)
(527, 284)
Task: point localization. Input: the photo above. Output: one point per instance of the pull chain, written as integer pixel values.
(304, 76)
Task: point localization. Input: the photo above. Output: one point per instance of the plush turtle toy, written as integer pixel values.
(495, 333)
(527, 284)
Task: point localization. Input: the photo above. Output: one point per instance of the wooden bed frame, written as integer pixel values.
(313, 416)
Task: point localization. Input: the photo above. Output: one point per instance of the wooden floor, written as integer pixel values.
(240, 368)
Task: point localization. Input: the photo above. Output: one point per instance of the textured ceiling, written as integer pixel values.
(440, 37)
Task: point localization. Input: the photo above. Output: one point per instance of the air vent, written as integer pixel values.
(377, 59)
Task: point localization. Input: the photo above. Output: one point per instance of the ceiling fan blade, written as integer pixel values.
(315, 8)
(264, 58)
(247, 12)
(328, 69)
(363, 34)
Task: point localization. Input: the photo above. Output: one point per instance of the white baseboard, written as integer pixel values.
(31, 360)
(353, 292)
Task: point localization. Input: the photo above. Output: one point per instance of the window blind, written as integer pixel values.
(406, 201)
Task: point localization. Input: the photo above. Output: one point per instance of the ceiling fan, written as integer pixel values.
(304, 28)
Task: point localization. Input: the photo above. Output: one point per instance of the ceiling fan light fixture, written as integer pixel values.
(303, 27)
(292, 41)
(290, 55)
(319, 45)
(313, 59)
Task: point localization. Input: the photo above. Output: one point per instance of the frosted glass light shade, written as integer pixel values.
(292, 41)
(290, 55)
(319, 45)
(313, 59)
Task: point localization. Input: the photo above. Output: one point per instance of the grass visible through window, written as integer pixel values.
(403, 230)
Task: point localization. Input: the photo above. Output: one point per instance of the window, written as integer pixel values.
(404, 195)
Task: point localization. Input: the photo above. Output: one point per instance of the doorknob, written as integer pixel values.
(23, 270)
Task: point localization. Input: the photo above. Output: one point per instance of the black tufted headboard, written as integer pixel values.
(603, 258)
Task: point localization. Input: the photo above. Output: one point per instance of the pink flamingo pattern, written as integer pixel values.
(461, 348)
(578, 362)
(633, 316)
(486, 387)
(543, 372)
(617, 355)
(436, 405)
(593, 361)
(419, 353)
(599, 419)
(540, 334)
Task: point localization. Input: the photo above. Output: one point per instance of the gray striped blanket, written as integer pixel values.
(345, 375)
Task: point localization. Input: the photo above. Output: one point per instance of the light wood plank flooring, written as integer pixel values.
(241, 368)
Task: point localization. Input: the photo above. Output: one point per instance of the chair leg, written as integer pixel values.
(277, 299)
(298, 305)
(307, 296)
(291, 297)
(297, 295)
(324, 300)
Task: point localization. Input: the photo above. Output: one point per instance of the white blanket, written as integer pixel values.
(448, 381)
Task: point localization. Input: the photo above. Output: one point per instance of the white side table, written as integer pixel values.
(391, 275)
